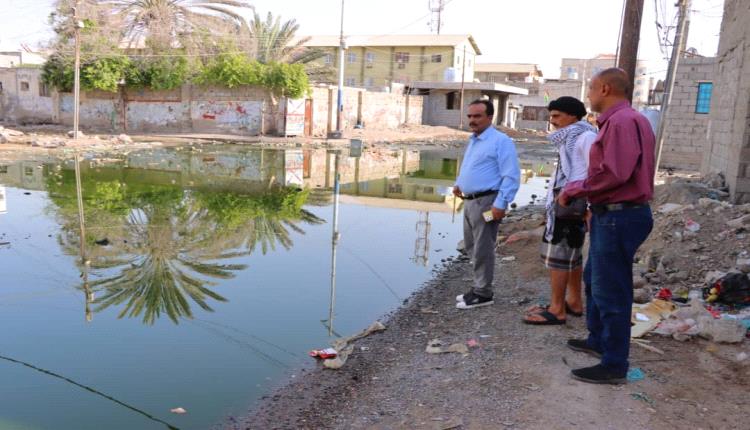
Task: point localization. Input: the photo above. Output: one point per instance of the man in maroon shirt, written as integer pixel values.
(619, 187)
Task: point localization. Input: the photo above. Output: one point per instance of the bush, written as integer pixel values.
(104, 73)
(161, 74)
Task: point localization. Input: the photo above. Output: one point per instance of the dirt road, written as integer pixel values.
(518, 378)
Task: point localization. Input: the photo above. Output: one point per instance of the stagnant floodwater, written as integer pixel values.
(204, 276)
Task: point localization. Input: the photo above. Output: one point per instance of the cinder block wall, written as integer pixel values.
(728, 146)
(686, 132)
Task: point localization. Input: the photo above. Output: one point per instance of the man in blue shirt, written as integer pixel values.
(488, 182)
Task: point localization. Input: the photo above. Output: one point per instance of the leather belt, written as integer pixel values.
(478, 195)
(613, 207)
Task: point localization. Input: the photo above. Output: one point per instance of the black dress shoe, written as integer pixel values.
(581, 345)
(599, 375)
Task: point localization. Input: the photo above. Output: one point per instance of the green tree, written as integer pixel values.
(274, 41)
(162, 24)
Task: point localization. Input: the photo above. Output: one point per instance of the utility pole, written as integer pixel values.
(436, 10)
(463, 77)
(631, 34)
(340, 103)
(680, 41)
(583, 81)
(77, 70)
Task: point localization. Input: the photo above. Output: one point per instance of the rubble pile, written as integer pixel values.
(700, 245)
(696, 240)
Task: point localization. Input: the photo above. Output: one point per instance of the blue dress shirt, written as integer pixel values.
(490, 163)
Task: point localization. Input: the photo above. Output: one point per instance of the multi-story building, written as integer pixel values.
(507, 72)
(582, 69)
(376, 62)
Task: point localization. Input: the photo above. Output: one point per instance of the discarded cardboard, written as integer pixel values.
(647, 317)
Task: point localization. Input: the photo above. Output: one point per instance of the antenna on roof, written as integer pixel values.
(436, 14)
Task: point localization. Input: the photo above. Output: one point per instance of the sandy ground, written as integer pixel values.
(518, 378)
(56, 136)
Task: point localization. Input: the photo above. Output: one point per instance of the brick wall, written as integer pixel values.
(686, 132)
(728, 146)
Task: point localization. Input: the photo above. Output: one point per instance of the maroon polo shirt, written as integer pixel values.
(621, 161)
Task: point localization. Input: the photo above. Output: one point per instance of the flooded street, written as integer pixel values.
(199, 277)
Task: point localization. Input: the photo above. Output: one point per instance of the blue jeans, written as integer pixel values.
(615, 237)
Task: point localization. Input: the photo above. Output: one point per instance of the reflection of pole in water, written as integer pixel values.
(334, 241)
(88, 294)
(79, 197)
(422, 244)
(458, 169)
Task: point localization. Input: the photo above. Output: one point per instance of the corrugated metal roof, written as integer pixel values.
(395, 40)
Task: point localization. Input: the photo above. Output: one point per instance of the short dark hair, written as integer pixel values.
(570, 105)
(488, 106)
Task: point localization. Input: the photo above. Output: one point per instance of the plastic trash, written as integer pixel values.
(635, 374)
(722, 330)
(692, 226)
(178, 411)
(323, 353)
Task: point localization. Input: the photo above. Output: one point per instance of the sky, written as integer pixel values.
(523, 31)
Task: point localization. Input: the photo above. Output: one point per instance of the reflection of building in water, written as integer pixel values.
(3, 201)
(422, 243)
(24, 174)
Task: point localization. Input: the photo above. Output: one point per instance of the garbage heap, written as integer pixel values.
(694, 267)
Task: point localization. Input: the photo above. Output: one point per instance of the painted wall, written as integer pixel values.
(24, 97)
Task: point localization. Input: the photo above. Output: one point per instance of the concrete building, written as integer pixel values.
(507, 72)
(376, 62)
(443, 105)
(20, 58)
(728, 147)
(532, 107)
(23, 95)
(582, 69)
(686, 126)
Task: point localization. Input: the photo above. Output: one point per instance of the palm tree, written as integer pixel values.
(162, 23)
(273, 41)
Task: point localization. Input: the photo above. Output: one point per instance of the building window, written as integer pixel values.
(350, 82)
(437, 58)
(642, 71)
(535, 113)
(369, 59)
(24, 86)
(534, 91)
(28, 171)
(3, 169)
(458, 60)
(639, 82)
(351, 58)
(637, 94)
(369, 82)
(328, 58)
(703, 104)
(43, 90)
(401, 65)
(402, 57)
(451, 101)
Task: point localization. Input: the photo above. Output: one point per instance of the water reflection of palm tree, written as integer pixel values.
(163, 267)
(165, 245)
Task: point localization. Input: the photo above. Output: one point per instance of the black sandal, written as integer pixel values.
(549, 319)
